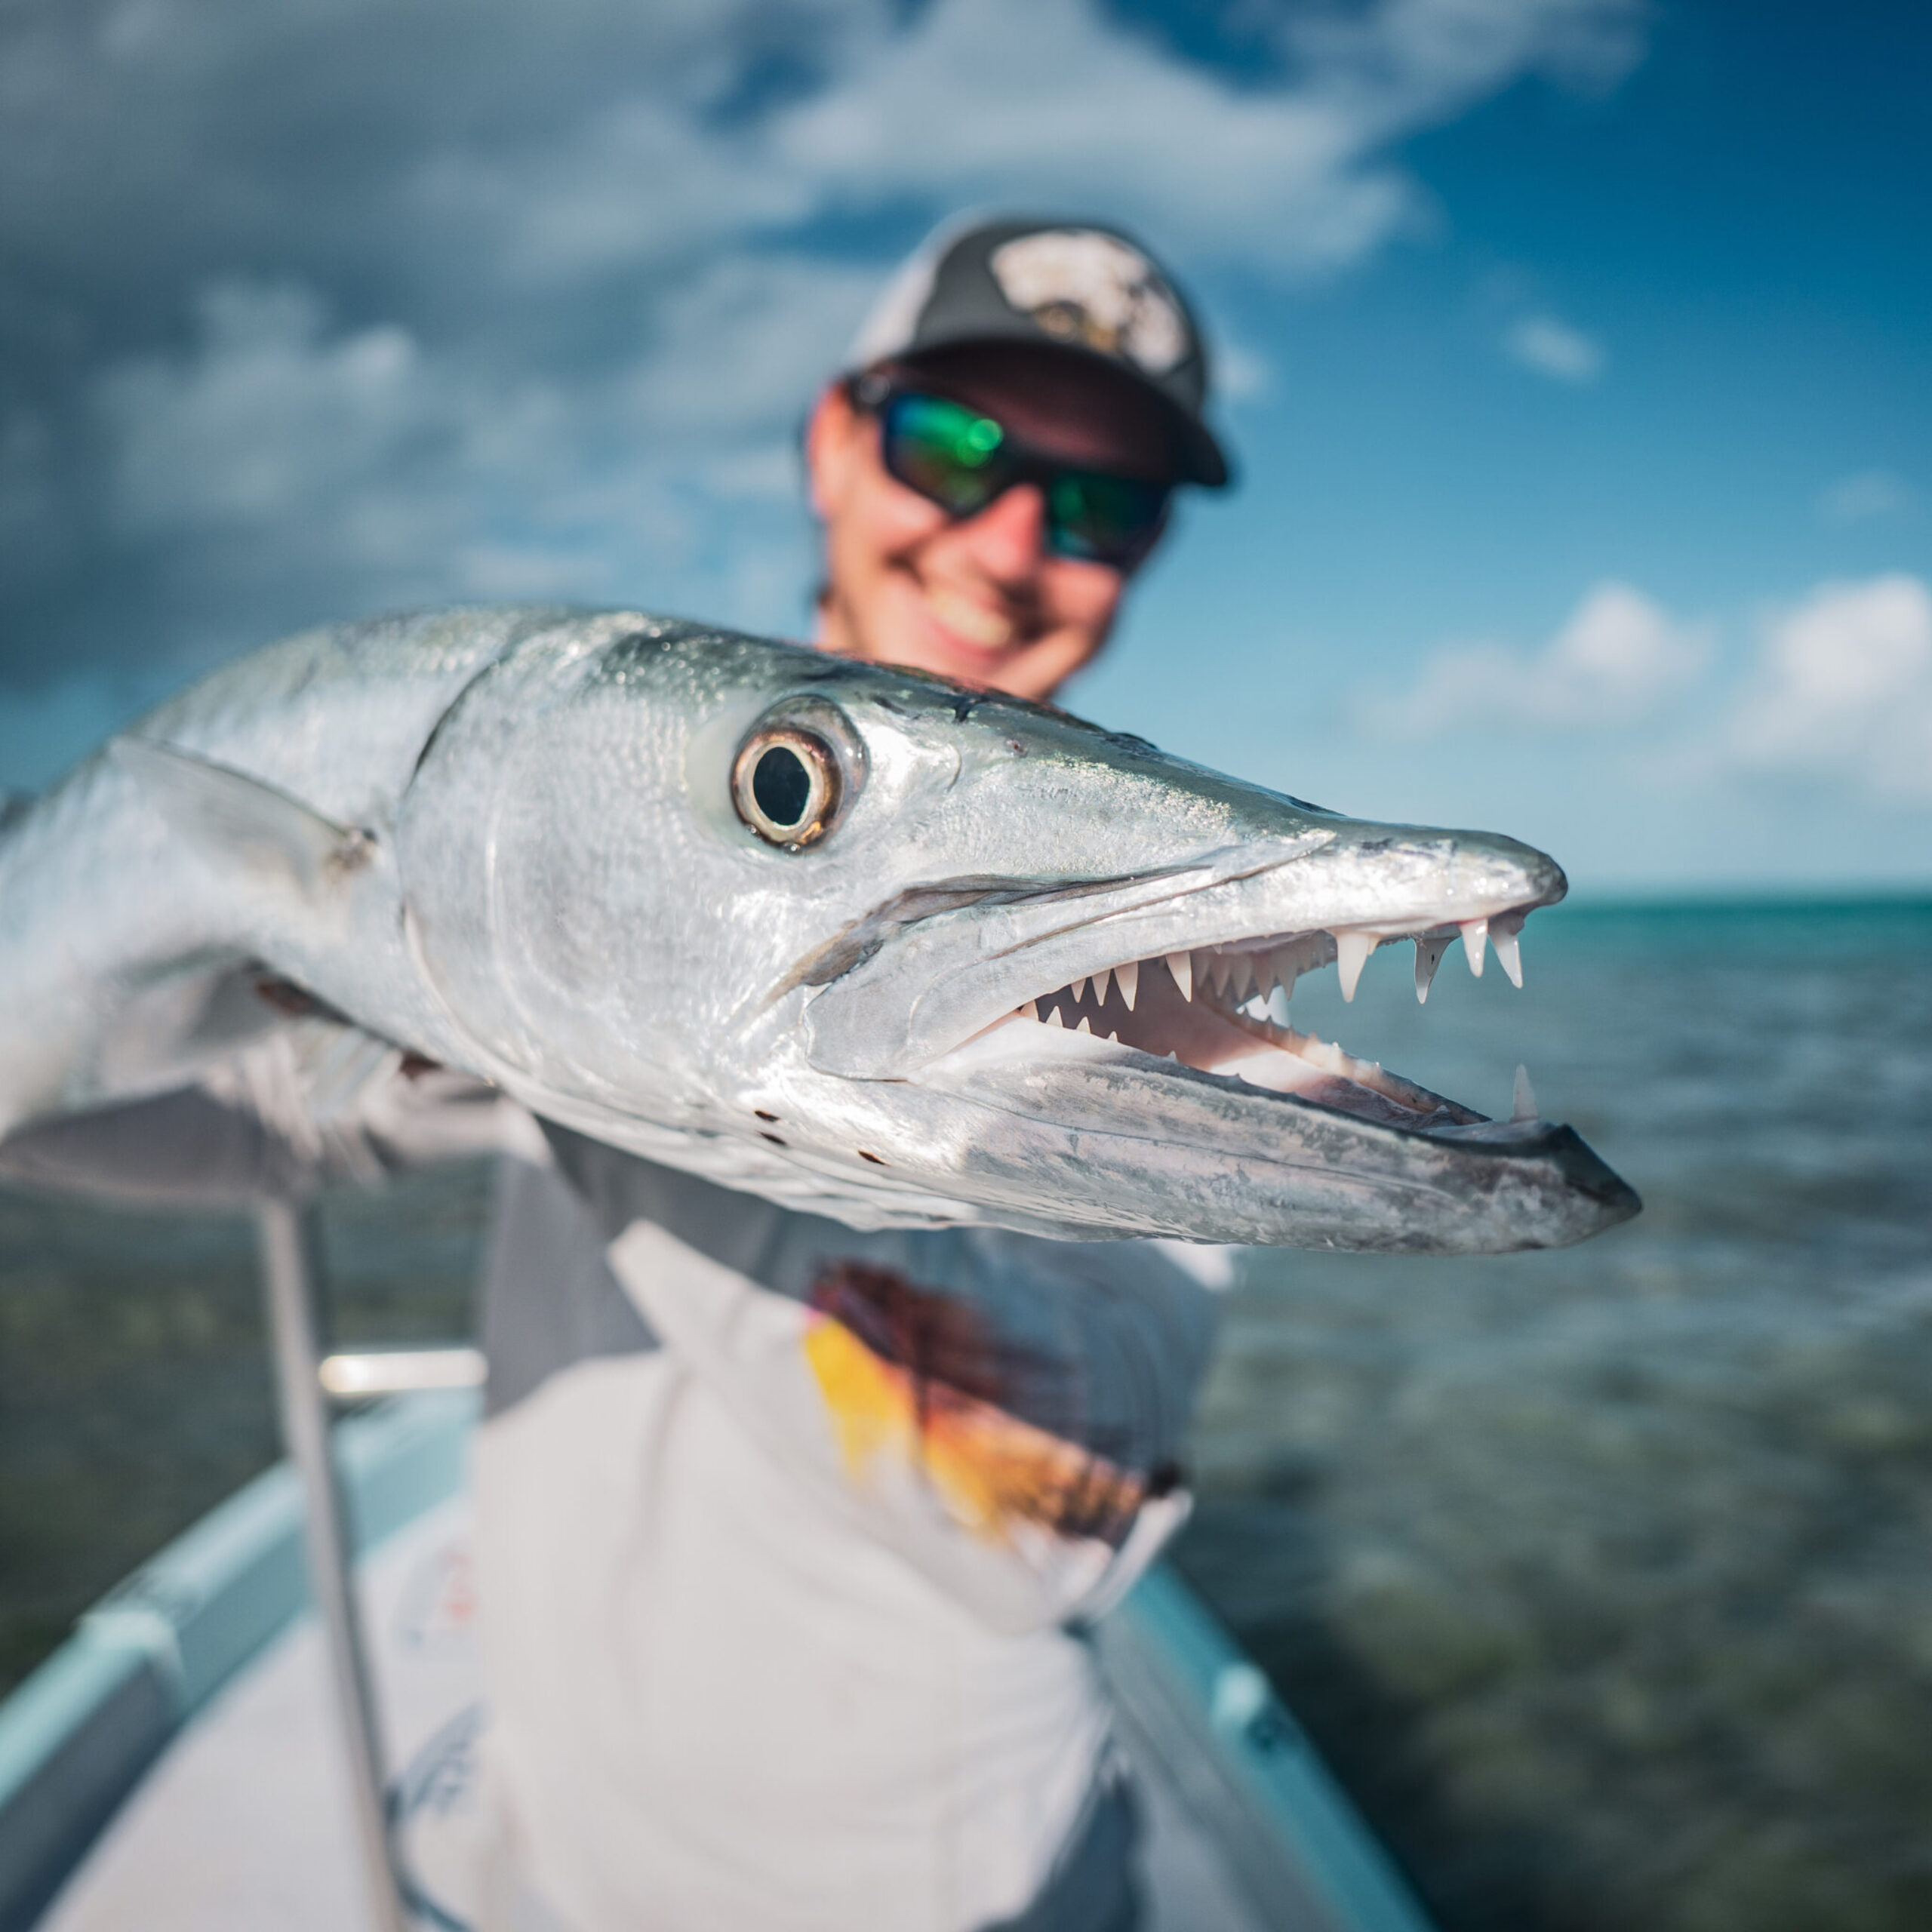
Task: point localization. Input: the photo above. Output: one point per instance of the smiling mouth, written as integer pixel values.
(973, 623)
(1209, 1009)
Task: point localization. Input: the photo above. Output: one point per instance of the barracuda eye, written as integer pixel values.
(786, 784)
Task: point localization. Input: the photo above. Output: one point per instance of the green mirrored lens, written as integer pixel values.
(1105, 519)
(943, 450)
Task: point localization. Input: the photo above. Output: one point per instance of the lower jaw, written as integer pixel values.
(1093, 1147)
(1208, 1038)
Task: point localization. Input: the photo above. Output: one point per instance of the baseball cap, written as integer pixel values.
(1081, 287)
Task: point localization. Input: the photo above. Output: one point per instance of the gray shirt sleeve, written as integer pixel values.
(204, 1147)
(184, 1150)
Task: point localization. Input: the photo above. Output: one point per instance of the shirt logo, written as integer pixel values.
(910, 1373)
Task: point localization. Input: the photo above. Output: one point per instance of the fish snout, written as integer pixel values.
(1400, 880)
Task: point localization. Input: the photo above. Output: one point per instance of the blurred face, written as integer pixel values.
(979, 598)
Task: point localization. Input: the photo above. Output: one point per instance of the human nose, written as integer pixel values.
(1007, 536)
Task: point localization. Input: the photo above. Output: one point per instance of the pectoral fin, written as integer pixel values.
(230, 815)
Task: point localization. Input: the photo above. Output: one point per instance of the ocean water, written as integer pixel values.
(1603, 1579)
(134, 1391)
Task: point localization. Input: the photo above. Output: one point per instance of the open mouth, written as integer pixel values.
(1214, 1009)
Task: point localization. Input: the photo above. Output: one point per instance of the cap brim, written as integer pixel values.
(1197, 456)
(1200, 455)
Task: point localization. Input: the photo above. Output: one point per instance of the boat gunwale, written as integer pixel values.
(80, 1731)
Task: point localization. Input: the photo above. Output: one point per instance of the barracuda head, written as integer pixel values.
(861, 939)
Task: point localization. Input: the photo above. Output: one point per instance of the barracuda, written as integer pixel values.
(849, 937)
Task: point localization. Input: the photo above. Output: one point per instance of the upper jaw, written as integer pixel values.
(932, 989)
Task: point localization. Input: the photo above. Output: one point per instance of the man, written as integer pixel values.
(1073, 345)
(785, 1531)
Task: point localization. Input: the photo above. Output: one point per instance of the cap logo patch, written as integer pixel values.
(1090, 288)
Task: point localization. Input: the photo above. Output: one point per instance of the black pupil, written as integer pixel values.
(781, 786)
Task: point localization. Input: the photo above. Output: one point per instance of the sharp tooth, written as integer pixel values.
(1079, 989)
(1287, 969)
(1241, 980)
(1181, 965)
(1053, 1018)
(1429, 949)
(1032, 1009)
(1085, 1025)
(1128, 978)
(1115, 1038)
(1503, 931)
(1100, 980)
(1475, 932)
(1524, 1102)
(1352, 952)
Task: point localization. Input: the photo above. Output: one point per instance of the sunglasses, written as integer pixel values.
(954, 456)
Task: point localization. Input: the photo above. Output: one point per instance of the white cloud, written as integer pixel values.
(1242, 374)
(1860, 498)
(1553, 348)
(1048, 103)
(741, 345)
(554, 321)
(358, 456)
(264, 418)
(1617, 659)
(1287, 178)
(1843, 689)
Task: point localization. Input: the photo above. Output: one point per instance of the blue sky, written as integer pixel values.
(1577, 360)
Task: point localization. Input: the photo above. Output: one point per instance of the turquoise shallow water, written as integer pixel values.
(1604, 1577)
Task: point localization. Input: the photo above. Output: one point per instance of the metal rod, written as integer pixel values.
(290, 1252)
